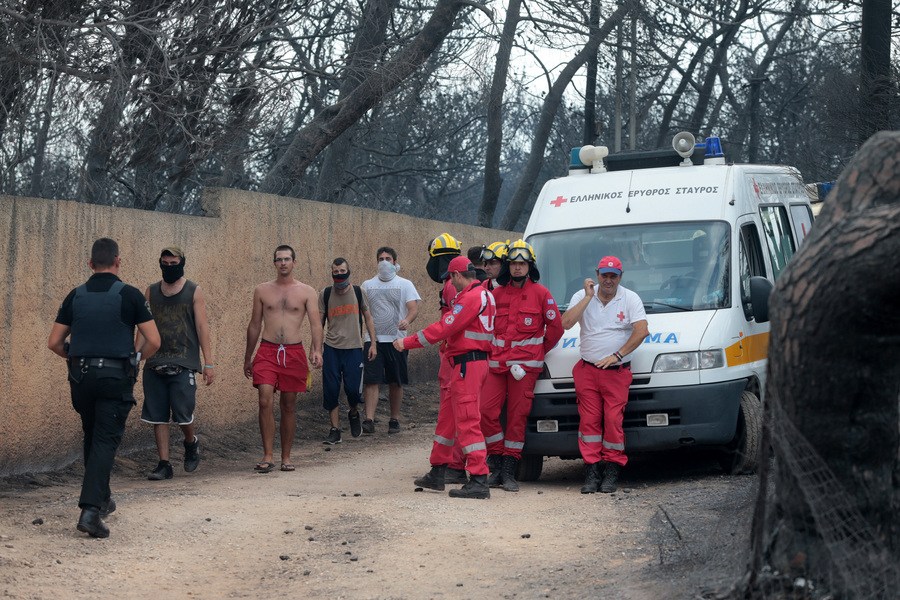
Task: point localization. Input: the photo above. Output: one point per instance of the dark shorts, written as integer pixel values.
(283, 366)
(341, 364)
(169, 397)
(389, 365)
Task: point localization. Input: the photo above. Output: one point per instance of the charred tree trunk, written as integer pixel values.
(875, 67)
(525, 189)
(833, 388)
(493, 180)
(328, 124)
(364, 56)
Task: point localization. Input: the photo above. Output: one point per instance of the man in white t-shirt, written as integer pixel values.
(393, 302)
(613, 324)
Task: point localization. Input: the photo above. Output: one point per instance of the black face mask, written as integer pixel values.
(172, 273)
(340, 280)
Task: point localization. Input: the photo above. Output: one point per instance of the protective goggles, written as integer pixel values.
(498, 254)
(519, 254)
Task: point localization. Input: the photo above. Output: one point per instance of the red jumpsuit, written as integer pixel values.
(467, 328)
(445, 374)
(528, 325)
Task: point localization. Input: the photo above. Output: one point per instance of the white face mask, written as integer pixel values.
(387, 271)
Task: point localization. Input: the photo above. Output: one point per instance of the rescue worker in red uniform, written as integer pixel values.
(468, 329)
(528, 325)
(493, 259)
(441, 251)
(613, 324)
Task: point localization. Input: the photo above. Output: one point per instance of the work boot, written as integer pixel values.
(434, 479)
(91, 523)
(495, 464)
(191, 455)
(592, 479)
(508, 474)
(162, 471)
(455, 476)
(476, 488)
(108, 506)
(610, 476)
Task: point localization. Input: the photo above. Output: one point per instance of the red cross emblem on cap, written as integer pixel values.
(621, 316)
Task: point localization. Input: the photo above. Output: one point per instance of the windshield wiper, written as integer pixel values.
(649, 304)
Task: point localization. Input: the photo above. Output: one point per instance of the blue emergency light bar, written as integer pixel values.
(713, 148)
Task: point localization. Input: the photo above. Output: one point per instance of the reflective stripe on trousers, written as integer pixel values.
(462, 418)
(602, 395)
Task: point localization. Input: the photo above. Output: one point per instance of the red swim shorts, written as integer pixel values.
(283, 366)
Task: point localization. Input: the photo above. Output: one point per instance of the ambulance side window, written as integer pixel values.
(751, 264)
(779, 238)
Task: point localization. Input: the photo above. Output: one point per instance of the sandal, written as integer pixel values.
(264, 467)
(288, 467)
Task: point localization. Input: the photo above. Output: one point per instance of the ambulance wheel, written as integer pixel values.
(742, 454)
(530, 466)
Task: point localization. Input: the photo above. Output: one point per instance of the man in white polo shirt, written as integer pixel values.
(613, 324)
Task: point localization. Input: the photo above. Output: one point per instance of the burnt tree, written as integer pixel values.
(833, 387)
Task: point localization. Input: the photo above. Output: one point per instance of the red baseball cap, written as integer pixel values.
(460, 264)
(610, 264)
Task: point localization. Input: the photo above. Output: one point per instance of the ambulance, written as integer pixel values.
(702, 243)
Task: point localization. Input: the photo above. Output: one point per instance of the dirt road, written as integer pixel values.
(348, 524)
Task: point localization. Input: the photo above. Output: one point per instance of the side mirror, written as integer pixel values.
(760, 290)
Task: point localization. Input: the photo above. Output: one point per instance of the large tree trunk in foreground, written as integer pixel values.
(832, 393)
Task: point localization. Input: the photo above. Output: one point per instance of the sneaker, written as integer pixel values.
(162, 471)
(355, 427)
(368, 426)
(191, 455)
(393, 426)
(334, 437)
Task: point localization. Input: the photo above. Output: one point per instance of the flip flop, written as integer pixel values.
(264, 467)
(288, 467)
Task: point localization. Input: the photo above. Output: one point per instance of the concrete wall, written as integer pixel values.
(44, 251)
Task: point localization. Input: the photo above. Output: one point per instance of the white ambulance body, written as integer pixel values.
(690, 237)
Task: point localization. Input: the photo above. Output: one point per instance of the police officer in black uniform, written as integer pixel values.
(101, 316)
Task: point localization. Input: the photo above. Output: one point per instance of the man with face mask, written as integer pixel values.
(343, 308)
(394, 303)
(170, 376)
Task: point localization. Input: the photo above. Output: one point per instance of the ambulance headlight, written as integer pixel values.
(689, 361)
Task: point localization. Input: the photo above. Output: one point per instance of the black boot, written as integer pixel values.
(91, 523)
(495, 464)
(510, 465)
(455, 476)
(109, 506)
(476, 488)
(434, 479)
(610, 476)
(592, 479)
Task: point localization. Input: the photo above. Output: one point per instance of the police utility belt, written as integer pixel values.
(100, 363)
(470, 356)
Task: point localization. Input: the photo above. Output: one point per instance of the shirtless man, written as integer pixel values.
(279, 307)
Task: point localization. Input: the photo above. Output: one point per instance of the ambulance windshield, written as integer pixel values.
(672, 266)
